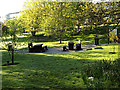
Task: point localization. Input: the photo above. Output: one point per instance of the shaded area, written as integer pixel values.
(10, 64)
(50, 70)
(42, 72)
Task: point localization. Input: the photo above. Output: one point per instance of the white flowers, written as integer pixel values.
(91, 78)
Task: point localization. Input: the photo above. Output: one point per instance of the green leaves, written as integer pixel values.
(56, 16)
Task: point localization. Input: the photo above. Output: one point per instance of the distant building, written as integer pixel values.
(10, 15)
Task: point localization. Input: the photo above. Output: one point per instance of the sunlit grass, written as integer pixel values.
(51, 70)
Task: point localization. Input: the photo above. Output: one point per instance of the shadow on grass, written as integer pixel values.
(47, 70)
(42, 71)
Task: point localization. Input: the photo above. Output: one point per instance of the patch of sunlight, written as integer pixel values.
(85, 41)
(40, 54)
(105, 58)
(3, 50)
(93, 58)
(21, 47)
(94, 54)
(14, 79)
(44, 87)
(0, 71)
(21, 36)
(17, 73)
(4, 72)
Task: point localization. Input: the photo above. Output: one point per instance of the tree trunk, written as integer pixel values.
(33, 33)
(108, 35)
(108, 38)
(60, 40)
(12, 56)
(78, 28)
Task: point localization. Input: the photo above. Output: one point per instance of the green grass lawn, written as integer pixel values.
(51, 70)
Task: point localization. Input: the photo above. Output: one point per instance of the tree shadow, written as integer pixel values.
(48, 70)
(41, 71)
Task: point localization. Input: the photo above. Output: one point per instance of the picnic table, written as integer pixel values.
(37, 48)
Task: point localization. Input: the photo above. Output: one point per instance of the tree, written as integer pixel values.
(32, 15)
(60, 18)
(111, 16)
(13, 29)
(55, 21)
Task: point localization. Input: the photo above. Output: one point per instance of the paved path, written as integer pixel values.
(55, 50)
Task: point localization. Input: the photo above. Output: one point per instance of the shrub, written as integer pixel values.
(104, 74)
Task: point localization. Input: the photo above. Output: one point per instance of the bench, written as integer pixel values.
(37, 48)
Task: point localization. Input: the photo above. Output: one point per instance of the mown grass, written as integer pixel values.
(51, 70)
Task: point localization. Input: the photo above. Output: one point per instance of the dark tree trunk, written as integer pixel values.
(108, 37)
(78, 27)
(33, 33)
(12, 56)
(60, 40)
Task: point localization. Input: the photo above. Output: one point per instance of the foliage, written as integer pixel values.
(105, 74)
(5, 30)
(61, 19)
(113, 37)
(55, 20)
(32, 16)
(13, 28)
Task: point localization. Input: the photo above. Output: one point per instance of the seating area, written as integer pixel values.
(71, 46)
(36, 48)
(40, 48)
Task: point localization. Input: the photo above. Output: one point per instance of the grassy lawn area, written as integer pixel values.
(22, 42)
(52, 70)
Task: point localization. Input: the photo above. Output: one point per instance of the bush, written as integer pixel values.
(102, 74)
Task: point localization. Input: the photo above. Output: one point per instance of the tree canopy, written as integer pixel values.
(63, 18)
